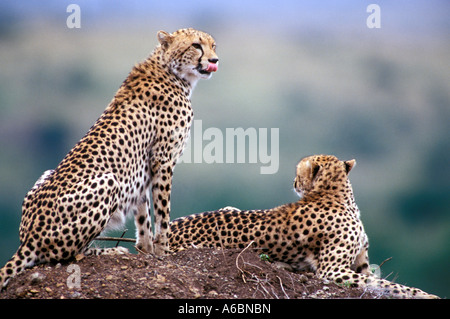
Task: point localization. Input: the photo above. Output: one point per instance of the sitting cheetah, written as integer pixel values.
(129, 152)
(321, 232)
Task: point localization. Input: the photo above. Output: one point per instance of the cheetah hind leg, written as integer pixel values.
(144, 234)
(102, 216)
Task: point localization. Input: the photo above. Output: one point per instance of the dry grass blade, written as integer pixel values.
(282, 288)
(237, 260)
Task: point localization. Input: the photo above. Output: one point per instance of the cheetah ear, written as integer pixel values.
(349, 165)
(307, 172)
(310, 170)
(165, 39)
(315, 168)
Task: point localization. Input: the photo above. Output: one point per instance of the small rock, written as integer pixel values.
(36, 278)
(21, 292)
(302, 279)
(282, 265)
(75, 294)
(160, 278)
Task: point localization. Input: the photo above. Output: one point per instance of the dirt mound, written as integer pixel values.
(189, 274)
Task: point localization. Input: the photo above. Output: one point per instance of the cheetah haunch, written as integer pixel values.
(129, 152)
(321, 232)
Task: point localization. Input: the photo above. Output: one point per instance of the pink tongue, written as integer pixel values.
(212, 67)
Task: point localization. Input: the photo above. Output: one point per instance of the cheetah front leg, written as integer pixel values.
(361, 263)
(161, 189)
(144, 234)
(347, 277)
(339, 269)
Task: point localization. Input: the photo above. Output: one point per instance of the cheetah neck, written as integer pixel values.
(157, 58)
(342, 193)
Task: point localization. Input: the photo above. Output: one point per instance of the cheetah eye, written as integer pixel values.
(196, 46)
(214, 46)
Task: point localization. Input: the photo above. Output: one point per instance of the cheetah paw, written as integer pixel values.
(160, 249)
(145, 248)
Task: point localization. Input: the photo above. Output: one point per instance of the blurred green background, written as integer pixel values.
(313, 69)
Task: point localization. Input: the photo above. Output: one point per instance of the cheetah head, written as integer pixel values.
(321, 172)
(189, 53)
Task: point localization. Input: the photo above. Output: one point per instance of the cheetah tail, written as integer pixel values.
(18, 262)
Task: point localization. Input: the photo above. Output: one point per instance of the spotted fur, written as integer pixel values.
(322, 232)
(127, 157)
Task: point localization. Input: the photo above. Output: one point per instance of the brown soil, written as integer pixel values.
(189, 274)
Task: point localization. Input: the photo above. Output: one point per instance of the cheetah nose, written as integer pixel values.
(215, 60)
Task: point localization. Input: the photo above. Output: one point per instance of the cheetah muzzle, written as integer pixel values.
(124, 160)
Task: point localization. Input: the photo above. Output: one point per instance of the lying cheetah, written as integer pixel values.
(129, 152)
(321, 232)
